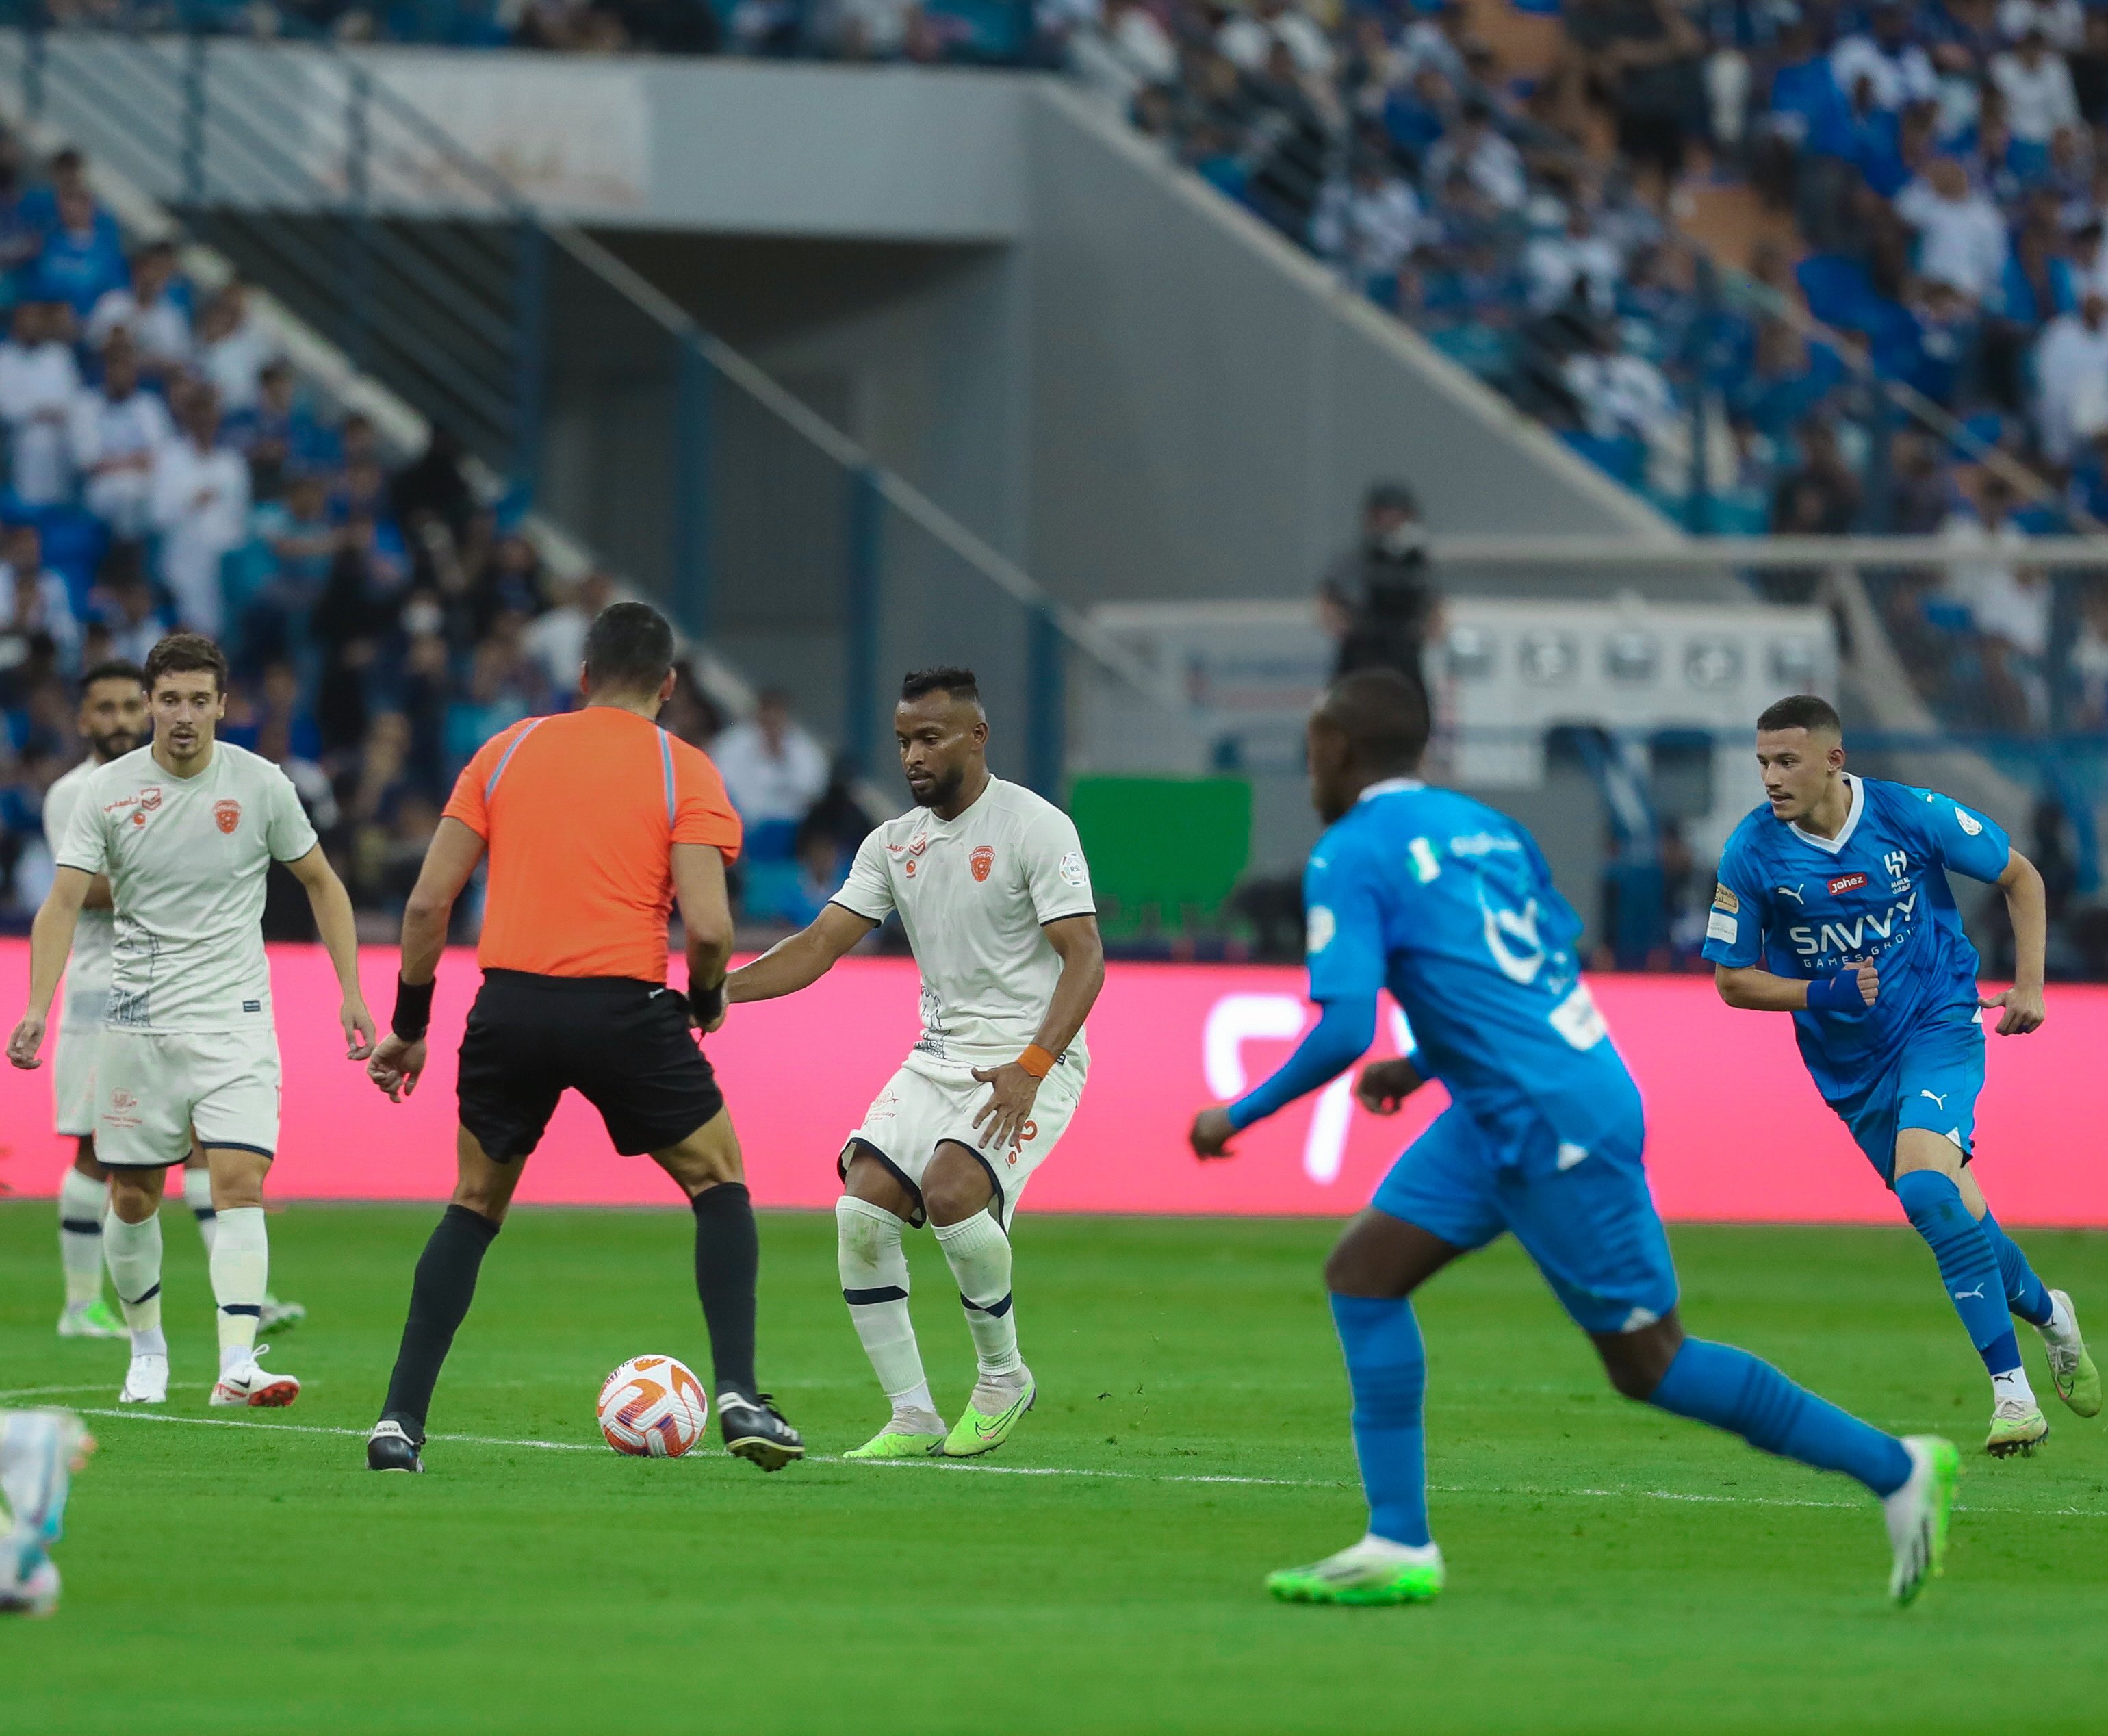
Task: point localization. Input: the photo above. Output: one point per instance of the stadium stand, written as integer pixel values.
(1524, 191)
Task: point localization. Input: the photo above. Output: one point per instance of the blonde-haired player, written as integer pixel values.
(185, 831)
(990, 884)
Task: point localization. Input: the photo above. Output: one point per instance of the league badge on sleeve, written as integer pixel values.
(1071, 869)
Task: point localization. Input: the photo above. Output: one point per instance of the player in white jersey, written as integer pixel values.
(113, 722)
(990, 884)
(185, 831)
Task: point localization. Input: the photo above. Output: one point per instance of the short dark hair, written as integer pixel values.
(116, 668)
(946, 678)
(180, 654)
(1802, 711)
(629, 649)
(1383, 716)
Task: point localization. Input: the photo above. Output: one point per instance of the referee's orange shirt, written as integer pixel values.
(580, 813)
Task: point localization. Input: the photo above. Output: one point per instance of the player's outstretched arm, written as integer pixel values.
(1076, 942)
(51, 940)
(802, 960)
(338, 928)
(2027, 903)
(1345, 1028)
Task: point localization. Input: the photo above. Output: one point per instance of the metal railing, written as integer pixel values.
(755, 520)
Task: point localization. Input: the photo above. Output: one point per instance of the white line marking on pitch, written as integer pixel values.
(130, 1415)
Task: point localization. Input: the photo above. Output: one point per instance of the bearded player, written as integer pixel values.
(989, 882)
(112, 720)
(184, 831)
(1833, 905)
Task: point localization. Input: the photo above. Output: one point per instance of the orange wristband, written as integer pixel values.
(1036, 1061)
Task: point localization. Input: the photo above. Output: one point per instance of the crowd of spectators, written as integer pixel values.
(164, 467)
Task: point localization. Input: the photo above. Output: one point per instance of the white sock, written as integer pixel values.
(875, 1285)
(240, 1267)
(2062, 1325)
(2012, 1384)
(82, 1204)
(980, 1256)
(134, 1253)
(197, 1195)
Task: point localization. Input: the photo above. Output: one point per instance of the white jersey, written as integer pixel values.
(187, 858)
(972, 893)
(87, 969)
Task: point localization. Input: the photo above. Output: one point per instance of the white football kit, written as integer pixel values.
(187, 1038)
(973, 893)
(86, 978)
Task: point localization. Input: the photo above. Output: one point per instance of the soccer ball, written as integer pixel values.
(653, 1406)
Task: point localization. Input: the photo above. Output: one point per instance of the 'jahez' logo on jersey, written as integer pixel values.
(981, 861)
(227, 815)
(1847, 883)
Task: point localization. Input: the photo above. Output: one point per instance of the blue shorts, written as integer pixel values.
(1932, 1083)
(1584, 1214)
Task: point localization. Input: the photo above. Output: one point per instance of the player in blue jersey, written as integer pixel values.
(1449, 906)
(1832, 905)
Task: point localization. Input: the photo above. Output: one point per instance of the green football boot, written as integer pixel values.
(892, 1443)
(2016, 1427)
(98, 1319)
(2071, 1369)
(1367, 1574)
(1918, 1514)
(981, 1431)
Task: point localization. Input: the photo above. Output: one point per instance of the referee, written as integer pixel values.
(596, 822)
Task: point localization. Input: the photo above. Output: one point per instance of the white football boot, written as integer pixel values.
(250, 1383)
(146, 1382)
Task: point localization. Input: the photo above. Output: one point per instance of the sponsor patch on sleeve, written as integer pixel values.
(1724, 899)
(1319, 928)
(1968, 822)
(1719, 926)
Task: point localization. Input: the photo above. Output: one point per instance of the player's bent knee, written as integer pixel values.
(135, 1196)
(1636, 1361)
(956, 1187)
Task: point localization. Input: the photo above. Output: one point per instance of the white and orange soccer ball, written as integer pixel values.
(653, 1406)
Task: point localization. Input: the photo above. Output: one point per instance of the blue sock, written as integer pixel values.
(1744, 1395)
(1968, 1267)
(2026, 1294)
(1388, 1371)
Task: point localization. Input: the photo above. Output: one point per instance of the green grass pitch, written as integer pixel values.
(1611, 1569)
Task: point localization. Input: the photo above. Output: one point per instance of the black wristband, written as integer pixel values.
(413, 1008)
(705, 1004)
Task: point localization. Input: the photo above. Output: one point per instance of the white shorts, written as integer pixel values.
(151, 1090)
(928, 1102)
(73, 1082)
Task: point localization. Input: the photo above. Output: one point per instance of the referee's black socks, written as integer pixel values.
(444, 1286)
(727, 1267)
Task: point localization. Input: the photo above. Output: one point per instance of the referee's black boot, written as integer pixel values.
(755, 1429)
(390, 1448)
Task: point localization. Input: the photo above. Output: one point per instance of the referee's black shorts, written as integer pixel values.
(624, 1045)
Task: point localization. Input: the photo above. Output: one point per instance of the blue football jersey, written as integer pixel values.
(1449, 905)
(1804, 906)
